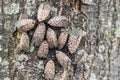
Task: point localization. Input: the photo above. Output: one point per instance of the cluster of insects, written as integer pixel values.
(45, 38)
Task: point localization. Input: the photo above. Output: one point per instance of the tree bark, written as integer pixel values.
(98, 55)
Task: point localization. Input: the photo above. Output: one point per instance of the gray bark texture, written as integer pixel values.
(97, 57)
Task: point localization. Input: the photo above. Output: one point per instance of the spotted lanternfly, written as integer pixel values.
(74, 42)
(63, 59)
(62, 39)
(49, 71)
(43, 11)
(39, 34)
(43, 50)
(24, 42)
(58, 21)
(52, 38)
(25, 24)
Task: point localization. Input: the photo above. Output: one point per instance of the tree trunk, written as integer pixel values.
(97, 57)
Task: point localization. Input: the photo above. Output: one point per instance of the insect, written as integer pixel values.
(39, 34)
(52, 38)
(43, 50)
(62, 40)
(49, 71)
(24, 25)
(24, 42)
(58, 21)
(63, 59)
(74, 42)
(43, 11)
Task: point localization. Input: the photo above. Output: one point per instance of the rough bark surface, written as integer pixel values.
(97, 57)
